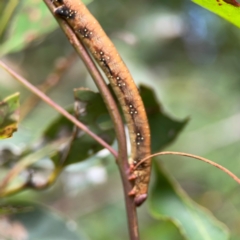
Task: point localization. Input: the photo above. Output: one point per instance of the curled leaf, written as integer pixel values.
(9, 115)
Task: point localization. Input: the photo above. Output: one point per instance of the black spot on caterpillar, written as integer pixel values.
(66, 12)
(93, 36)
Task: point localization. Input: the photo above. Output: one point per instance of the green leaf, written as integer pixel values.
(95, 116)
(228, 9)
(45, 224)
(166, 230)
(168, 201)
(164, 129)
(9, 115)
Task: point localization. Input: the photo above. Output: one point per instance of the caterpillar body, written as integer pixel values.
(89, 31)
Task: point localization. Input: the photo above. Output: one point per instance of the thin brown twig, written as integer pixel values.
(61, 66)
(116, 118)
(195, 157)
(54, 105)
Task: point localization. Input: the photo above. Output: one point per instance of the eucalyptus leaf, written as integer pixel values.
(164, 129)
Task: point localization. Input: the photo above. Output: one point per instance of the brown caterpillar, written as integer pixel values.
(93, 36)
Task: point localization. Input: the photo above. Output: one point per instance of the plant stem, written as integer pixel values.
(116, 118)
(233, 176)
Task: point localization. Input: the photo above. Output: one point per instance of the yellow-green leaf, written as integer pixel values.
(228, 9)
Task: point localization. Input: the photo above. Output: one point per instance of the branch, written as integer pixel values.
(116, 118)
(233, 176)
(54, 105)
(61, 66)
